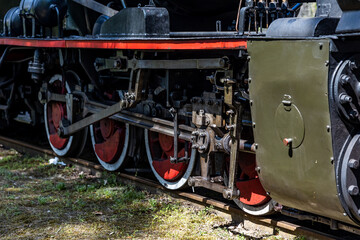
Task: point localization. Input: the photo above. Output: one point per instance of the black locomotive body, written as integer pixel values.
(241, 97)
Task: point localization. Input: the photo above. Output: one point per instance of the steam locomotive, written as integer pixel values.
(243, 98)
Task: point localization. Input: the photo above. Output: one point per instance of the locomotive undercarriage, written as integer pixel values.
(154, 95)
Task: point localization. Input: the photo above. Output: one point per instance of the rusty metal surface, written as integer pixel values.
(300, 175)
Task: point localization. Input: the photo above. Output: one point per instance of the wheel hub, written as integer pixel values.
(106, 128)
(109, 140)
(57, 113)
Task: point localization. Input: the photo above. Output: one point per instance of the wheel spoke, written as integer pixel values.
(161, 148)
(109, 140)
(253, 197)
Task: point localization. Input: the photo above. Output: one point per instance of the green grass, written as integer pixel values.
(40, 201)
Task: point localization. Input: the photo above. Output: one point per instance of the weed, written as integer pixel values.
(44, 200)
(81, 188)
(60, 186)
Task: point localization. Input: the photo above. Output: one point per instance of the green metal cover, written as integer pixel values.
(289, 94)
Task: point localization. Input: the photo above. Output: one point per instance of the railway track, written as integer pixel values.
(314, 228)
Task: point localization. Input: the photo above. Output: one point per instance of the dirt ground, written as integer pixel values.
(43, 201)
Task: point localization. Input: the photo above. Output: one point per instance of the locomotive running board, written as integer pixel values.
(134, 44)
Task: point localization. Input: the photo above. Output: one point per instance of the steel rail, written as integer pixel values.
(141, 182)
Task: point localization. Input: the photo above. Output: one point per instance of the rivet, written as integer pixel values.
(328, 128)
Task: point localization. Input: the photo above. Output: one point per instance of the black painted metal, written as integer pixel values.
(150, 22)
(349, 21)
(302, 27)
(12, 23)
(44, 10)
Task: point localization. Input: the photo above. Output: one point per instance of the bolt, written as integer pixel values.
(354, 114)
(344, 98)
(218, 145)
(202, 134)
(353, 65)
(353, 190)
(257, 169)
(353, 163)
(210, 78)
(196, 133)
(202, 147)
(230, 112)
(117, 64)
(222, 62)
(344, 79)
(230, 127)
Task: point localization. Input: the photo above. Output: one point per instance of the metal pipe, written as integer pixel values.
(123, 3)
(204, 34)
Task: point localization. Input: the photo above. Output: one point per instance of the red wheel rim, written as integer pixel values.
(56, 111)
(252, 192)
(109, 140)
(162, 148)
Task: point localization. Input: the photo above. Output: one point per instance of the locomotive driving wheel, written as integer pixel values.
(110, 141)
(159, 149)
(55, 112)
(253, 198)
